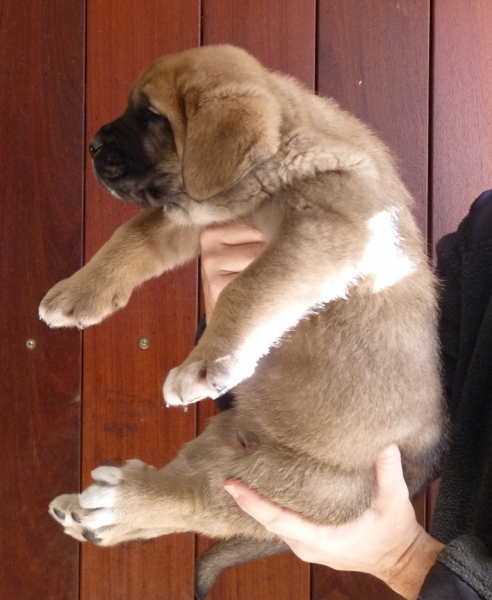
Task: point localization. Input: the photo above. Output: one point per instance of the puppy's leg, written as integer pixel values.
(139, 501)
(134, 502)
(142, 248)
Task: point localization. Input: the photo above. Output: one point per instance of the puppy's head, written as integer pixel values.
(196, 123)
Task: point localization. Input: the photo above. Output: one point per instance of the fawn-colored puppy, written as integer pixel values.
(328, 338)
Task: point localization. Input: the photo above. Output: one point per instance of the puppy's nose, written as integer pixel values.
(95, 145)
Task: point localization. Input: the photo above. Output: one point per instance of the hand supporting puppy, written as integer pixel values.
(385, 541)
(226, 250)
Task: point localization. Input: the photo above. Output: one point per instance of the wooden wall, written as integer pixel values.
(41, 186)
(461, 111)
(417, 71)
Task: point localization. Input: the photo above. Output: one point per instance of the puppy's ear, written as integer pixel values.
(226, 136)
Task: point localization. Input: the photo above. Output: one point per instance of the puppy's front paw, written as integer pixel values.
(188, 383)
(199, 378)
(109, 512)
(82, 300)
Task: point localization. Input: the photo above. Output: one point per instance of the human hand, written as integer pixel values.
(226, 250)
(386, 541)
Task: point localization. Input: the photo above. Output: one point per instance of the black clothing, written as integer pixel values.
(463, 515)
(442, 584)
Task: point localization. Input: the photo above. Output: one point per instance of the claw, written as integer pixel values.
(191, 400)
(90, 536)
(221, 390)
(59, 514)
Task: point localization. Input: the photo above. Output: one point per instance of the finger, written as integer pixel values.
(221, 264)
(226, 259)
(230, 234)
(255, 505)
(280, 521)
(389, 475)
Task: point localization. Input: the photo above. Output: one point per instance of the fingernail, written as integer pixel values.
(232, 491)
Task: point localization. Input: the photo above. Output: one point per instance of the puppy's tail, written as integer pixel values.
(227, 554)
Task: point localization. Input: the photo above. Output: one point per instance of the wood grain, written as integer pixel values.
(461, 109)
(281, 34)
(123, 414)
(41, 141)
(373, 58)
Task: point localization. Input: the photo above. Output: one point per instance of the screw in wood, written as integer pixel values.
(144, 343)
(30, 344)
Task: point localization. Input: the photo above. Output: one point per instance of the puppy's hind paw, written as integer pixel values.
(105, 513)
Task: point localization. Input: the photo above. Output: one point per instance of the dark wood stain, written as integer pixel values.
(41, 140)
(121, 430)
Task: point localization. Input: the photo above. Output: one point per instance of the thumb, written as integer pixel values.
(389, 475)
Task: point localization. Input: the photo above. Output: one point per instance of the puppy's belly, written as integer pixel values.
(340, 390)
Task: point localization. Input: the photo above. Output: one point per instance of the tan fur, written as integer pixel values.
(336, 318)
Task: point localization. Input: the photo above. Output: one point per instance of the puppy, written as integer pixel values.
(328, 338)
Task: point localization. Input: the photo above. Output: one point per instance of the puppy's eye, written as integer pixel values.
(151, 114)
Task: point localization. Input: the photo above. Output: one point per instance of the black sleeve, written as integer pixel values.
(465, 565)
(442, 584)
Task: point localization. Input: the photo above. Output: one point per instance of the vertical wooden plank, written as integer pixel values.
(373, 58)
(461, 109)
(123, 414)
(282, 36)
(41, 143)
